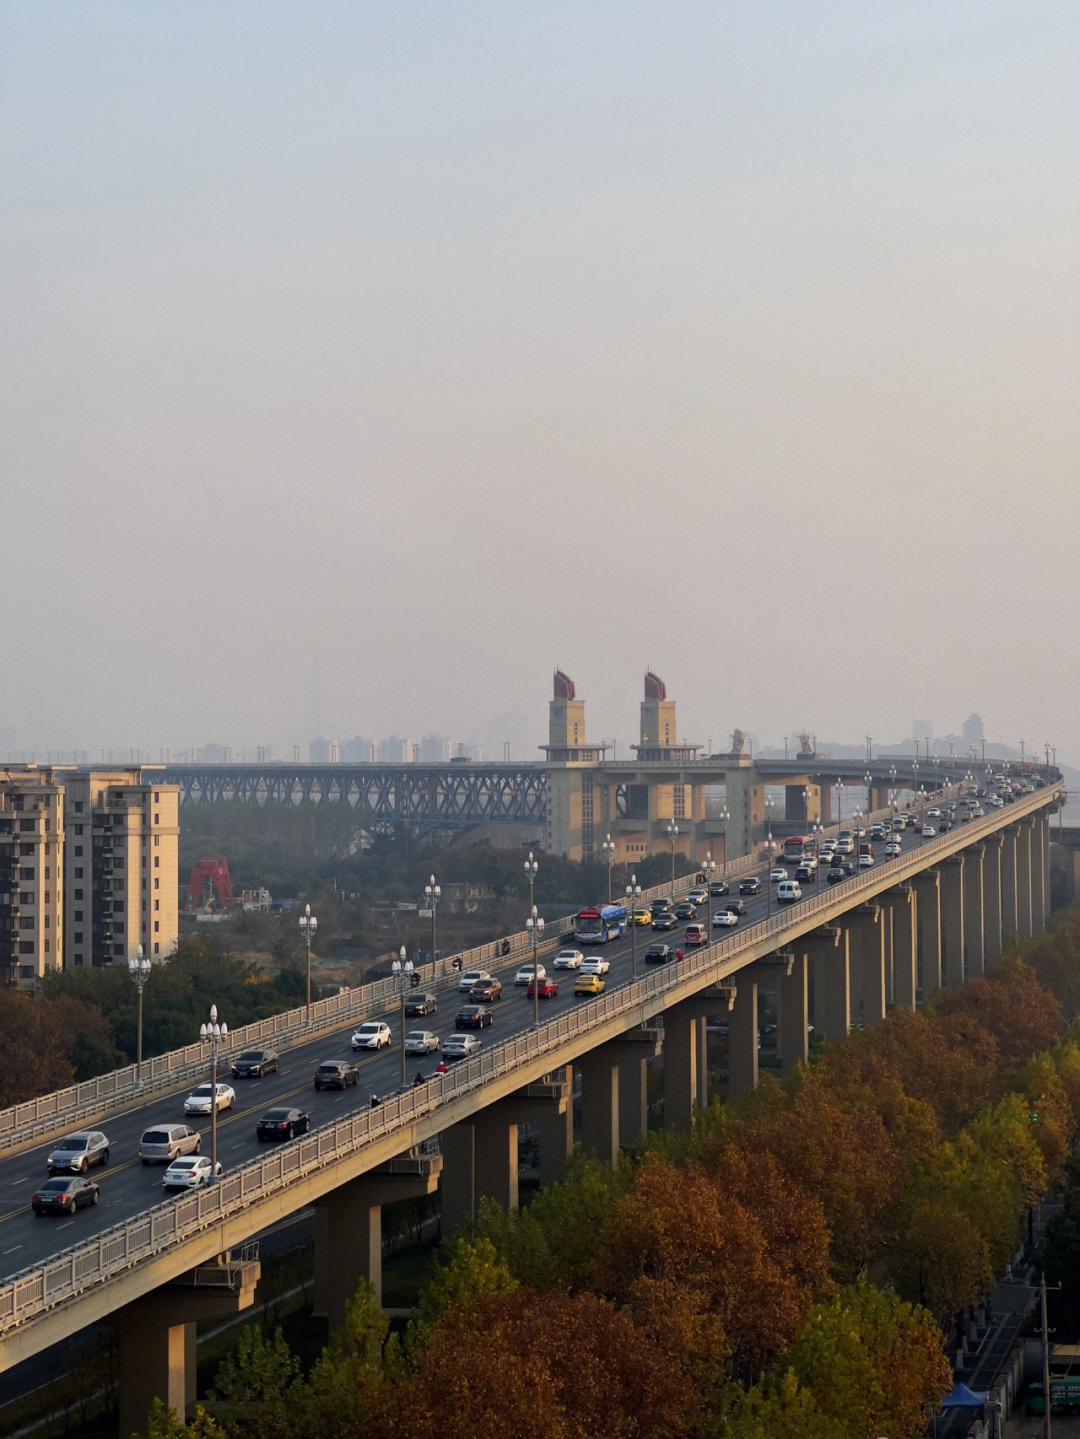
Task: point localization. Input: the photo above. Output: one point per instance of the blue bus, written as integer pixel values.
(596, 924)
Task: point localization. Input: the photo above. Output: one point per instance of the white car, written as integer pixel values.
(372, 1035)
(421, 1041)
(698, 896)
(198, 1101)
(190, 1171)
(928, 831)
(471, 977)
(866, 861)
(777, 874)
(525, 974)
(894, 849)
(724, 919)
(569, 959)
(595, 965)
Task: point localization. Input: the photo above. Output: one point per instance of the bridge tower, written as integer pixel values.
(672, 797)
(579, 810)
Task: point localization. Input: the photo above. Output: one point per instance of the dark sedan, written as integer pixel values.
(659, 954)
(64, 1196)
(336, 1074)
(254, 1063)
(735, 906)
(419, 1004)
(750, 885)
(718, 888)
(282, 1124)
(684, 910)
(473, 1016)
(663, 921)
(486, 991)
(835, 875)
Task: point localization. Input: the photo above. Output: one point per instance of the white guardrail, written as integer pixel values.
(74, 1270)
(64, 1108)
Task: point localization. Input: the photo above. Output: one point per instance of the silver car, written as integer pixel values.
(79, 1151)
(421, 1041)
(166, 1142)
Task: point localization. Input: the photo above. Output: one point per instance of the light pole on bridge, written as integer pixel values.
(633, 894)
(609, 847)
(530, 870)
(403, 968)
(139, 969)
(432, 893)
(723, 817)
(308, 925)
(213, 1034)
(534, 925)
(672, 834)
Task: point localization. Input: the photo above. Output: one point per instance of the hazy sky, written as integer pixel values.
(361, 363)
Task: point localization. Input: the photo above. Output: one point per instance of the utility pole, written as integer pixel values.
(1045, 1358)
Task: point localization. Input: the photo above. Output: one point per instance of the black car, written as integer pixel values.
(685, 910)
(64, 1196)
(254, 1063)
(835, 875)
(718, 888)
(419, 1004)
(662, 905)
(735, 906)
(750, 885)
(336, 1074)
(664, 920)
(282, 1123)
(473, 1016)
(659, 954)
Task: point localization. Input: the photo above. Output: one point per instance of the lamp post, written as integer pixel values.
(723, 817)
(403, 968)
(869, 778)
(839, 802)
(608, 847)
(817, 829)
(672, 834)
(530, 869)
(534, 926)
(213, 1034)
(432, 893)
(708, 866)
(915, 787)
(308, 925)
(139, 969)
(770, 805)
(633, 894)
(892, 788)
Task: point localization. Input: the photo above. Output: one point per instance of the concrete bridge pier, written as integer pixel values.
(867, 929)
(793, 1020)
(991, 869)
(952, 921)
(743, 1035)
(348, 1229)
(1040, 871)
(974, 909)
(828, 952)
(928, 931)
(157, 1336)
(901, 903)
(877, 798)
(1023, 879)
(1009, 928)
(555, 1135)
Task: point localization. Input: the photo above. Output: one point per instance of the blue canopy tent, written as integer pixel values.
(964, 1398)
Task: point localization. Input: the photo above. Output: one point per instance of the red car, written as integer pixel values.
(486, 990)
(548, 989)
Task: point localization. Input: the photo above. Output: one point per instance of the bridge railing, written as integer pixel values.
(64, 1108)
(72, 1272)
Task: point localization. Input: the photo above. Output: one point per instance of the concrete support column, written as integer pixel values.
(867, 938)
(928, 926)
(878, 798)
(743, 1036)
(457, 1191)
(1023, 880)
(1008, 886)
(902, 904)
(952, 922)
(555, 1137)
(829, 958)
(1045, 821)
(991, 868)
(702, 1041)
(633, 1103)
(793, 1040)
(348, 1248)
(974, 907)
(1038, 879)
(682, 1054)
(495, 1157)
(600, 1104)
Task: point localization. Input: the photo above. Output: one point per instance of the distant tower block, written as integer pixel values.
(657, 716)
(566, 721)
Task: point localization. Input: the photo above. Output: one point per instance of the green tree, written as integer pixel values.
(466, 1268)
(257, 1386)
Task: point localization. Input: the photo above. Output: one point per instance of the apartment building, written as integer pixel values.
(120, 866)
(31, 857)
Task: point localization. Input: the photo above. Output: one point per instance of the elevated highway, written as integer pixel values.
(891, 934)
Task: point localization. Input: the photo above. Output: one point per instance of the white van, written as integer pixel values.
(788, 891)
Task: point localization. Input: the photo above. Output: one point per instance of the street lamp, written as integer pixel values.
(534, 926)
(892, 788)
(708, 866)
(839, 802)
(432, 893)
(213, 1034)
(403, 968)
(770, 805)
(723, 817)
(608, 847)
(139, 969)
(672, 834)
(633, 893)
(869, 778)
(530, 869)
(308, 925)
(817, 829)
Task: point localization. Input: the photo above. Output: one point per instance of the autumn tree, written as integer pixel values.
(941, 1259)
(465, 1269)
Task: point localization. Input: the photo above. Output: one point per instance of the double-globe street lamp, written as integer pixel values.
(308, 925)
(723, 817)
(672, 832)
(432, 894)
(534, 926)
(633, 894)
(403, 968)
(609, 847)
(139, 969)
(213, 1034)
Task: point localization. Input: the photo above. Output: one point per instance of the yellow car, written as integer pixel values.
(589, 984)
(643, 916)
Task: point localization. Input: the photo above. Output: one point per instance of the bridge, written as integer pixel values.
(892, 933)
(578, 797)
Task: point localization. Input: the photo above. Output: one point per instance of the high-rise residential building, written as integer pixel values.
(358, 751)
(120, 866)
(971, 731)
(434, 749)
(31, 883)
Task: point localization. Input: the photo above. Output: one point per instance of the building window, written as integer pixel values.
(157, 861)
(46, 946)
(157, 904)
(157, 948)
(157, 882)
(78, 871)
(26, 849)
(78, 806)
(26, 921)
(77, 916)
(157, 926)
(26, 873)
(78, 936)
(78, 829)
(78, 850)
(26, 971)
(26, 946)
(78, 894)
(118, 906)
(118, 951)
(48, 872)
